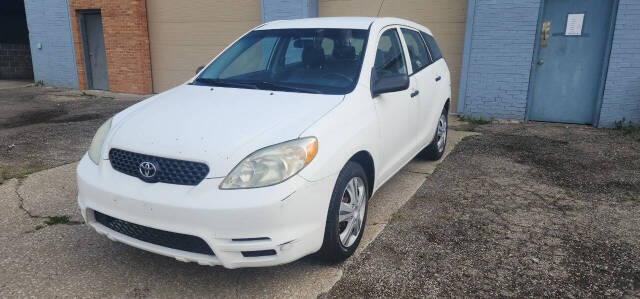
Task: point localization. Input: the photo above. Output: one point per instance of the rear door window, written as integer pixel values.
(417, 50)
(433, 46)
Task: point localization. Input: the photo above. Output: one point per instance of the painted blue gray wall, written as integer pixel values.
(49, 25)
(288, 9)
(622, 90)
(499, 58)
(499, 43)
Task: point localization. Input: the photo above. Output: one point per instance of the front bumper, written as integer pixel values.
(288, 218)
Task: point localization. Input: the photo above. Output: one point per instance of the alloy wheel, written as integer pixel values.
(442, 133)
(352, 211)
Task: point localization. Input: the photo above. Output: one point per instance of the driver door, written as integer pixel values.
(395, 110)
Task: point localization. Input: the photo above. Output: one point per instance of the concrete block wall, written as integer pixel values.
(622, 89)
(15, 61)
(51, 42)
(288, 9)
(500, 51)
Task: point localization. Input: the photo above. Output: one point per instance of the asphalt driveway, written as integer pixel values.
(41, 127)
(522, 210)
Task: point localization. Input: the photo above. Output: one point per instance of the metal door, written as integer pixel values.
(567, 72)
(95, 58)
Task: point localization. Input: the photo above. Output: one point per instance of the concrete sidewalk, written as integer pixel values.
(69, 260)
(14, 83)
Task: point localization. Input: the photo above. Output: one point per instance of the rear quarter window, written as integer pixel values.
(433, 46)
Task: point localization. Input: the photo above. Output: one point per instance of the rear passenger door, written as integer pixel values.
(424, 78)
(441, 70)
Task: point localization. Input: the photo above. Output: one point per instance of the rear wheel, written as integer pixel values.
(435, 150)
(347, 214)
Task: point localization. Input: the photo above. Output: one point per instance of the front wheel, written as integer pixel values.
(435, 149)
(347, 214)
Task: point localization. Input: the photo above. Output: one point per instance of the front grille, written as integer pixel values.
(154, 236)
(170, 171)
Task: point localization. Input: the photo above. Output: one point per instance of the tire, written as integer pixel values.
(338, 244)
(436, 148)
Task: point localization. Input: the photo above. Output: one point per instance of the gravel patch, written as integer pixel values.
(521, 210)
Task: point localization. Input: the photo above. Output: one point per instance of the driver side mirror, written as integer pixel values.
(387, 82)
(199, 69)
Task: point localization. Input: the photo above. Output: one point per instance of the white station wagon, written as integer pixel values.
(272, 151)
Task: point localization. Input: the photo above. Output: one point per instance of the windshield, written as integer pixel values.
(324, 61)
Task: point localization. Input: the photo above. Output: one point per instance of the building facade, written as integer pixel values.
(15, 53)
(51, 42)
(111, 45)
(500, 65)
(586, 71)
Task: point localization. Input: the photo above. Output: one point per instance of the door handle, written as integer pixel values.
(438, 78)
(415, 93)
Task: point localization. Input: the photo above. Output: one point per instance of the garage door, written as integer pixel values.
(446, 18)
(186, 34)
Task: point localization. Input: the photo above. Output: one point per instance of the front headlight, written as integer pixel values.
(272, 165)
(98, 140)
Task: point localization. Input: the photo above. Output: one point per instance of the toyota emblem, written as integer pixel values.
(147, 169)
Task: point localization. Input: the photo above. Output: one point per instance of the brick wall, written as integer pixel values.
(49, 26)
(622, 90)
(501, 52)
(15, 61)
(124, 25)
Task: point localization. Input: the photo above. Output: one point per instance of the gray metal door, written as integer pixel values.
(569, 63)
(95, 58)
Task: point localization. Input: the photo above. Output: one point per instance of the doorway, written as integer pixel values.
(95, 58)
(15, 51)
(571, 54)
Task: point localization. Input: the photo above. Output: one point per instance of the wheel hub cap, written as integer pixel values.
(352, 210)
(442, 133)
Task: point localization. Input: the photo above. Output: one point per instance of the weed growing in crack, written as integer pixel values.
(395, 217)
(631, 197)
(628, 128)
(475, 120)
(53, 220)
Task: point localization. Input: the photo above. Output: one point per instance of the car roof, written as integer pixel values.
(339, 23)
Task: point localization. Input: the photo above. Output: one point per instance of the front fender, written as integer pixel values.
(349, 128)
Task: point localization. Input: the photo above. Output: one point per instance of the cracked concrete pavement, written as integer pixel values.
(71, 260)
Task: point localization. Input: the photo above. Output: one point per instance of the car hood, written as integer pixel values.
(218, 126)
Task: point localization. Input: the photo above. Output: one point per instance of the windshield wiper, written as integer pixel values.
(254, 85)
(282, 87)
(226, 83)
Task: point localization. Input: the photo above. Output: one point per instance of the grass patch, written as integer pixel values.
(38, 227)
(631, 197)
(14, 172)
(53, 220)
(474, 120)
(628, 128)
(40, 83)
